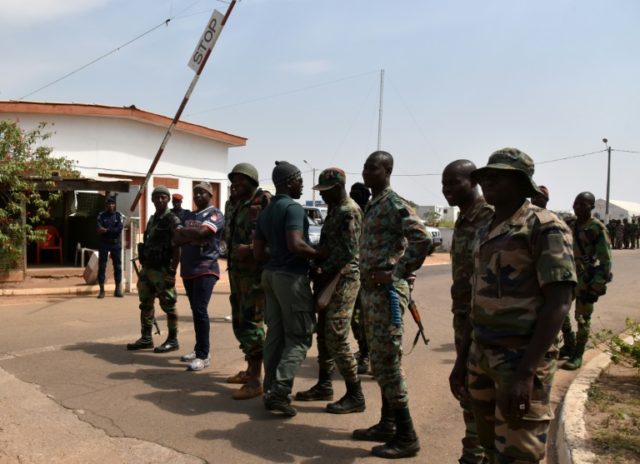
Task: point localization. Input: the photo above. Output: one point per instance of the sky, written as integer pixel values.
(301, 80)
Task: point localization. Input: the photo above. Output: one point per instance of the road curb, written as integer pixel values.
(572, 431)
(84, 290)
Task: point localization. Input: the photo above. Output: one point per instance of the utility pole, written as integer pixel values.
(606, 208)
(313, 192)
(380, 109)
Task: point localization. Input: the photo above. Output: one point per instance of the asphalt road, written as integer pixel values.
(73, 349)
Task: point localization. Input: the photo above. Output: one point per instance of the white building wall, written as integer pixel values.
(127, 147)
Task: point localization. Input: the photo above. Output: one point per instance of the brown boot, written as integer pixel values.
(253, 386)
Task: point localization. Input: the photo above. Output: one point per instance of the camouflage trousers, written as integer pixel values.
(472, 451)
(385, 339)
(514, 441)
(247, 306)
(583, 312)
(333, 330)
(157, 283)
(358, 329)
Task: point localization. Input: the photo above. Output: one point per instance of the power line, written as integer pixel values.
(111, 52)
(281, 94)
(570, 157)
(627, 151)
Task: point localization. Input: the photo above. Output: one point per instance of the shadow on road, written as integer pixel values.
(276, 443)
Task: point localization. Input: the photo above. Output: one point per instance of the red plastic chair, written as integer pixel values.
(52, 241)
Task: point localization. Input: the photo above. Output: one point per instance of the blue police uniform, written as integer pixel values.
(110, 243)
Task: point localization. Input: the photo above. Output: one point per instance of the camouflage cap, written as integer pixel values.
(510, 159)
(329, 178)
(161, 190)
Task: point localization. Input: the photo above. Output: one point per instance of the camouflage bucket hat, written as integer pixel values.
(329, 178)
(511, 159)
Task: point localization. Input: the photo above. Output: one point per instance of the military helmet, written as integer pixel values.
(246, 169)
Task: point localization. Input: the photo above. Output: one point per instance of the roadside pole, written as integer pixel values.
(197, 62)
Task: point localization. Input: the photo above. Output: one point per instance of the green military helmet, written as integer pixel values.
(246, 169)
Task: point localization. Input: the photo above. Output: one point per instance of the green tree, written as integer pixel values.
(25, 161)
(432, 218)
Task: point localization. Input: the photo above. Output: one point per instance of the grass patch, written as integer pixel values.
(613, 416)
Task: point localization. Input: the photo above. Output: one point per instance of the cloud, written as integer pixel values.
(37, 11)
(307, 67)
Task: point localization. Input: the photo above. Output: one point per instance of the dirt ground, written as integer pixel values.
(613, 419)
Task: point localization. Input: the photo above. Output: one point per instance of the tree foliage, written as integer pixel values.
(23, 161)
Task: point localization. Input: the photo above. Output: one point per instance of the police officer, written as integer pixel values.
(394, 244)
(178, 210)
(159, 256)
(338, 248)
(460, 190)
(110, 224)
(523, 283)
(245, 272)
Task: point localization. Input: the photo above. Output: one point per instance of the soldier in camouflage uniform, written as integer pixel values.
(523, 281)
(338, 247)
(360, 194)
(394, 243)
(460, 190)
(592, 251)
(247, 296)
(159, 257)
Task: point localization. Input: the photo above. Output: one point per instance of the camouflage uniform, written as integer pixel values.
(156, 280)
(512, 262)
(393, 238)
(340, 236)
(464, 234)
(247, 295)
(592, 251)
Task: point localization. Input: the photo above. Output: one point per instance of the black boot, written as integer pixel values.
(170, 344)
(363, 363)
(383, 431)
(145, 341)
(101, 292)
(118, 291)
(568, 340)
(352, 401)
(575, 361)
(405, 443)
(321, 391)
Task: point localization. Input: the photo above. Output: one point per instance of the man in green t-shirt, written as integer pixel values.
(289, 315)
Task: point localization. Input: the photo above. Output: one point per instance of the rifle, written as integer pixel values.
(413, 309)
(134, 262)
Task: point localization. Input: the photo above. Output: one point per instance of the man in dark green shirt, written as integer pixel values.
(289, 316)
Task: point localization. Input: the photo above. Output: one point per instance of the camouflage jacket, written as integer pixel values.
(464, 234)
(229, 207)
(158, 240)
(393, 237)
(512, 262)
(592, 251)
(242, 227)
(340, 237)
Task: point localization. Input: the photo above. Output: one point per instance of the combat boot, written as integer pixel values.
(321, 391)
(170, 344)
(383, 431)
(363, 363)
(253, 386)
(352, 401)
(101, 292)
(118, 292)
(575, 362)
(405, 442)
(145, 341)
(279, 403)
(569, 344)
